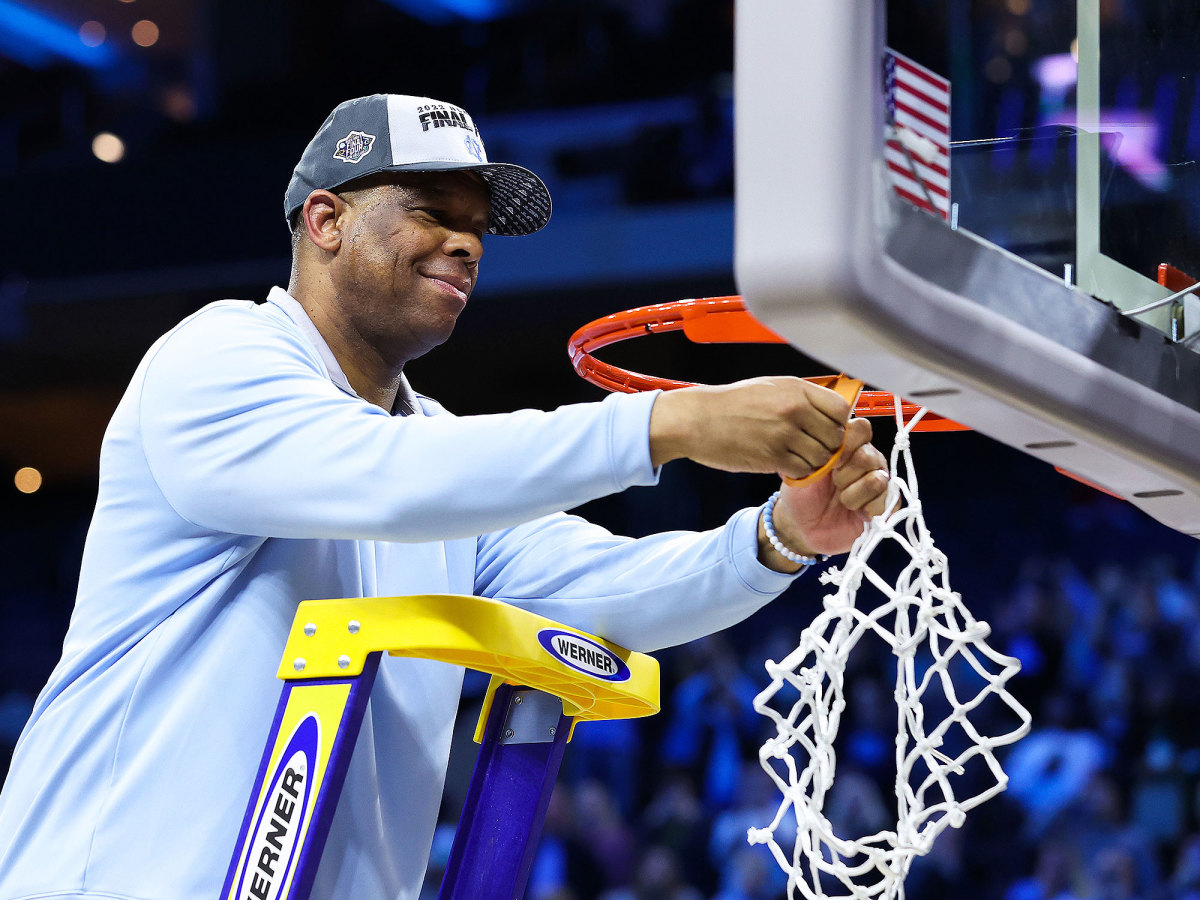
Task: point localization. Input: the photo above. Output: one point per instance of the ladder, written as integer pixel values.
(545, 677)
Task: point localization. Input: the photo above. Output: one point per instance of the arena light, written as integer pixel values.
(27, 480)
(92, 33)
(145, 33)
(34, 39)
(107, 147)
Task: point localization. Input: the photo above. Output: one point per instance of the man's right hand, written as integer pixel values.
(781, 425)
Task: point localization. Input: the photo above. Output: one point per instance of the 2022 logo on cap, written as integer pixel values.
(283, 816)
(583, 655)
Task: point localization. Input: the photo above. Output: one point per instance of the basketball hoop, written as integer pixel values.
(928, 629)
(706, 320)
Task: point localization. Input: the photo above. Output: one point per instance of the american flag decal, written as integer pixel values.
(918, 141)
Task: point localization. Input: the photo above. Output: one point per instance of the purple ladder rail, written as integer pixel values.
(506, 802)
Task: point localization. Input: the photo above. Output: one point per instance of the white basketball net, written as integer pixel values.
(919, 615)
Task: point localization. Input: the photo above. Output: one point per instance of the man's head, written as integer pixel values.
(388, 208)
(394, 257)
(398, 133)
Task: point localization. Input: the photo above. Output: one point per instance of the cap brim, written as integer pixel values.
(520, 200)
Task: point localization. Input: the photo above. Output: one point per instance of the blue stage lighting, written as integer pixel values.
(35, 39)
(446, 12)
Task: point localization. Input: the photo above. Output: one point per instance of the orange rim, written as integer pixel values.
(707, 320)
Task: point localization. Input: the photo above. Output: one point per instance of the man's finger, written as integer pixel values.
(867, 494)
(853, 465)
(828, 402)
(815, 425)
(858, 434)
(876, 507)
(817, 452)
(801, 465)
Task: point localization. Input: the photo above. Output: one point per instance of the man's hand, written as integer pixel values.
(827, 516)
(787, 426)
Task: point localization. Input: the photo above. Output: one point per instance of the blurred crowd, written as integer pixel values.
(1104, 798)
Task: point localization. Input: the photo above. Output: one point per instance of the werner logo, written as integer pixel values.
(583, 655)
(282, 817)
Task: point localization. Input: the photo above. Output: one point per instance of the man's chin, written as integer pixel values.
(431, 339)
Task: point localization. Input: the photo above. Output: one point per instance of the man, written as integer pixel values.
(266, 454)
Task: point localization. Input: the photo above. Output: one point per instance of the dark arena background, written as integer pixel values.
(144, 150)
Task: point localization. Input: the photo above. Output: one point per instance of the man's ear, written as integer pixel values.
(320, 219)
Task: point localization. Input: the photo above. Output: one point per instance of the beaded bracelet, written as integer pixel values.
(790, 555)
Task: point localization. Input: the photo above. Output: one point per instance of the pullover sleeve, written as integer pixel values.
(644, 594)
(245, 433)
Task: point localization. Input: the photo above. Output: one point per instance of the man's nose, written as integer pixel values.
(464, 245)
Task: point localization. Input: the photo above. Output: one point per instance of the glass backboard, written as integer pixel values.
(991, 208)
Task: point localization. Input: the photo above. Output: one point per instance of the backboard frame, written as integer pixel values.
(829, 258)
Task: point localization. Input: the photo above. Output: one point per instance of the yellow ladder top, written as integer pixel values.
(595, 678)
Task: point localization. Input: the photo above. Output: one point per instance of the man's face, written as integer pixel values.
(409, 258)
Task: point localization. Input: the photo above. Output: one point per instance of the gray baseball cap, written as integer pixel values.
(398, 133)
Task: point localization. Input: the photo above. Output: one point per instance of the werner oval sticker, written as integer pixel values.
(283, 817)
(583, 655)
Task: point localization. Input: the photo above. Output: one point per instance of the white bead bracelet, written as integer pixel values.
(790, 555)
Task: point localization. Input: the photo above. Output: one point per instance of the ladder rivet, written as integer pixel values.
(299, 664)
(310, 629)
(343, 661)
(354, 626)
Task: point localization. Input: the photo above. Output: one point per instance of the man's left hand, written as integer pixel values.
(826, 517)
